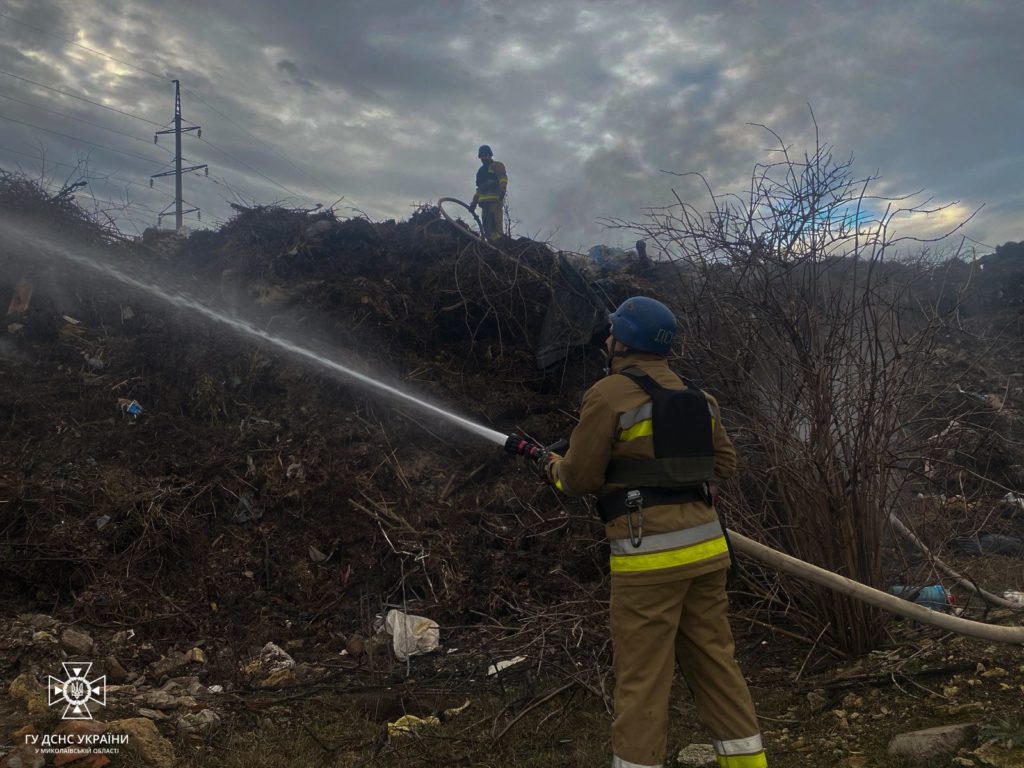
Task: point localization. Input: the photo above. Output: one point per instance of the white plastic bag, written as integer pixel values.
(411, 635)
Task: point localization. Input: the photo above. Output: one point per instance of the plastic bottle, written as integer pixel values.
(934, 596)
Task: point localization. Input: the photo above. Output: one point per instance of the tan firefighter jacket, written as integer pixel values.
(679, 541)
(491, 183)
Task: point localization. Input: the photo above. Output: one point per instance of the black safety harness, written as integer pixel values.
(683, 464)
(684, 454)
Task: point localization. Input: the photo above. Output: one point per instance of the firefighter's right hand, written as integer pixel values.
(472, 207)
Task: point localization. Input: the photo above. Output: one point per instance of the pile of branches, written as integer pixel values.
(277, 490)
(420, 286)
(27, 201)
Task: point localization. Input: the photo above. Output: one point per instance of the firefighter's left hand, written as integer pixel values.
(543, 464)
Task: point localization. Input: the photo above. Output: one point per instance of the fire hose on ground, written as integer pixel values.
(521, 446)
(791, 565)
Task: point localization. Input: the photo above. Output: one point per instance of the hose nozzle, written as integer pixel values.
(520, 446)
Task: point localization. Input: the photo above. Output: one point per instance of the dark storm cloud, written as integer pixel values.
(295, 77)
(585, 102)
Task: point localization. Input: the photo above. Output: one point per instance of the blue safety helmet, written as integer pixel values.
(644, 324)
(484, 150)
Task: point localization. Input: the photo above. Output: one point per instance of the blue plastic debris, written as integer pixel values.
(130, 409)
(934, 596)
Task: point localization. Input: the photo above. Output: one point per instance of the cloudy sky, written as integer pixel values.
(587, 102)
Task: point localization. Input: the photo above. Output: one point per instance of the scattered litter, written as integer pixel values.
(1013, 507)
(406, 724)
(273, 658)
(130, 409)
(71, 320)
(123, 637)
(934, 596)
(1013, 498)
(1014, 596)
(989, 543)
(13, 328)
(411, 635)
(501, 665)
(101, 522)
(198, 722)
(316, 555)
(93, 362)
(216, 689)
(126, 313)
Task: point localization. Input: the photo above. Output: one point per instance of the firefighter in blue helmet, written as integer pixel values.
(652, 448)
(491, 182)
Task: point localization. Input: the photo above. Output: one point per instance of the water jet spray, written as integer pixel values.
(247, 329)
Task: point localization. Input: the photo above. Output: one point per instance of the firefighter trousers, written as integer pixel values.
(490, 218)
(685, 622)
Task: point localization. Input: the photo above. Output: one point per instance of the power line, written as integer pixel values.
(99, 175)
(44, 161)
(82, 141)
(85, 47)
(49, 186)
(80, 98)
(81, 120)
(241, 194)
(104, 176)
(253, 169)
(162, 77)
(245, 131)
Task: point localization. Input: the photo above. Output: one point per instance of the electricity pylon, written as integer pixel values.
(177, 130)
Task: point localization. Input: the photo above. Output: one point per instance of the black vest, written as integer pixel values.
(684, 449)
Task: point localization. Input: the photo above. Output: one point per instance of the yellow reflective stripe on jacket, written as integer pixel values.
(637, 422)
(640, 413)
(640, 429)
(488, 198)
(742, 761)
(662, 542)
(669, 558)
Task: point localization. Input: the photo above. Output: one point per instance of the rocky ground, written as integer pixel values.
(228, 557)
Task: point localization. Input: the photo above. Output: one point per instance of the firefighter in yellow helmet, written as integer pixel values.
(491, 182)
(652, 448)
